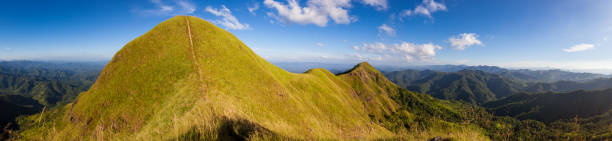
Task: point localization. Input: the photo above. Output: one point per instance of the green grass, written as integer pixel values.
(160, 87)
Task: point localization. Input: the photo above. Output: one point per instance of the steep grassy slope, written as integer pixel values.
(187, 74)
(188, 79)
(475, 87)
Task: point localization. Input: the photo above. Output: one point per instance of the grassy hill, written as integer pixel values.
(188, 79)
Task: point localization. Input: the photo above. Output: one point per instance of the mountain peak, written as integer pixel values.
(189, 70)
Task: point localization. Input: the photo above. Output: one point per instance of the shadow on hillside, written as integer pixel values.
(231, 130)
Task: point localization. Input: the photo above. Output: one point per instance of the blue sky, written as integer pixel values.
(566, 34)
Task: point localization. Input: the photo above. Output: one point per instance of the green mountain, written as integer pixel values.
(472, 86)
(524, 75)
(478, 87)
(549, 107)
(567, 86)
(27, 87)
(187, 79)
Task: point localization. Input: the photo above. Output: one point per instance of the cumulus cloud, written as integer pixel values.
(316, 12)
(378, 4)
(405, 51)
(170, 8)
(253, 9)
(464, 40)
(579, 47)
(386, 29)
(228, 20)
(426, 8)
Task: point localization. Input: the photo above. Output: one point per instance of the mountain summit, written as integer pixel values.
(188, 79)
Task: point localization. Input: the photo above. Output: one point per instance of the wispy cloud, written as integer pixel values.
(426, 8)
(317, 12)
(228, 20)
(406, 51)
(187, 6)
(320, 44)
(386, 29)
(579, 47)
(169, 8)
(378, 4)
(464, 40)
(254, 8)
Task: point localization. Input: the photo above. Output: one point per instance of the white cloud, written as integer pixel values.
(320, 44)
(404, 51)
(386, 29)
(228, 21)
(253, 9)
(187, 7)
(170, 8)
(464, 40)
(579, 47)
(425, 9)
(316, 12)
(378, 4)
(367, 58)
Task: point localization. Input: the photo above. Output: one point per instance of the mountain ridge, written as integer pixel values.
(164, 86)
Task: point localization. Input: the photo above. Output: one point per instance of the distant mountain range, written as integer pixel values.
(525, 75)
(477, 86)
(472, 86)
(552, 106)
(28, 86)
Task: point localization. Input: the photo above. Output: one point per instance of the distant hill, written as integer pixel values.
(525, 75)
(475, 86)
(567, 86)
(187, 79)
(47, 82)
(300, 67)
(582, 113)
(28, 86)
(472, 86)
(550, 107)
